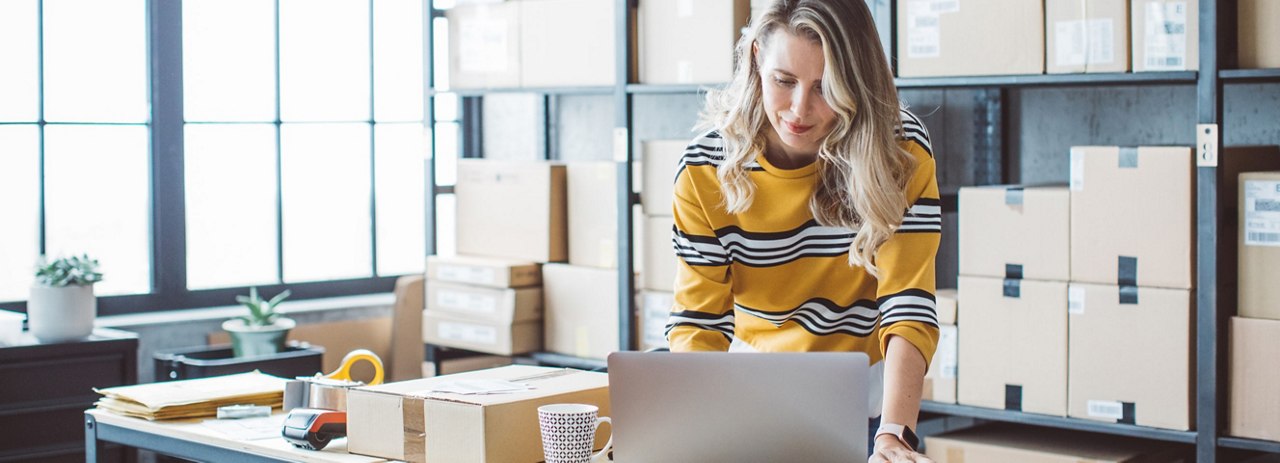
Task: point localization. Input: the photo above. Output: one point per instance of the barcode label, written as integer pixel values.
(1266, 205)
(1261, 238)
(945, 6)
(1261, 213)
(1106, 409)
(924, 34)
(1164, 61)
(922, 51)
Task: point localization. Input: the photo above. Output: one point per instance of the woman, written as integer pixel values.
(808, 218)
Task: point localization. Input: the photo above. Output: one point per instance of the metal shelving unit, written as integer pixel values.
(1217, 40)
(1185, 437)
(1050, 80)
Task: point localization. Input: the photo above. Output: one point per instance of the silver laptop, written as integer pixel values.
(738, 407)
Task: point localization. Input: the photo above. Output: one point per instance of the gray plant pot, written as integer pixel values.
(251, 341)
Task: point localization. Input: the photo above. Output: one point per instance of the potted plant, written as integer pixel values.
(62, 306)
(263, 331)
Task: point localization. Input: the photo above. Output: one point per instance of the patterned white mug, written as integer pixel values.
(569, 432)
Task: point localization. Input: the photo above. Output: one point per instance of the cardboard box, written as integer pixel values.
(484, 45)
(702, 53)
(1255, 407)
(1166, 35)
(937, 38)
(940, 380)
(947, 304)
(1016, 443)
(581, 310)
(557, 36)
(661, 160)
(490, 337)
(405, 421)
(496, 198)
(1259, 39)
(1132, 216)
(1134, 209)
(655, 312)
(485, 304)
(659, 256)
(1120, 350)
(1259, 245)
(593, 214)
(1014, 351)
(484, 271)
(995, 222)
(1086, 36)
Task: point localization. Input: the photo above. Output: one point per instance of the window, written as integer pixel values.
(292, 151)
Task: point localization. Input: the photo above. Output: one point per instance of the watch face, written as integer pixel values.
(909, 437)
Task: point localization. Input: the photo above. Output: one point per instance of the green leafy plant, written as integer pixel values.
(261, 312)
(67, 271)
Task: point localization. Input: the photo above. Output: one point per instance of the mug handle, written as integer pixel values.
(603, 454)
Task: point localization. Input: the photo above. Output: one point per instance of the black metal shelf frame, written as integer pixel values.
(1249, 444)
(1186, 437)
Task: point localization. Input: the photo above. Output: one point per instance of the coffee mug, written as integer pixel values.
(569, 432)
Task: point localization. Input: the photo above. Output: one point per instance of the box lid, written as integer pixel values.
(546, 382)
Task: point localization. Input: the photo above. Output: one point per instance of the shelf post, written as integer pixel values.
(622, 155)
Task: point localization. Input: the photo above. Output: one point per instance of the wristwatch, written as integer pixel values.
(902, 432)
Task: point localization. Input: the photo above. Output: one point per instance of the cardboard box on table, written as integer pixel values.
(406, 421)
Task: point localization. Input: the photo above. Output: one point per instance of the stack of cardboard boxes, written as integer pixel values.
(1255, 333)
(1092, 348)
(582, 295)
(661, 160)
(1058, 36)
(511, 219)
(1013, 285)
(689, 41)
(940, 380)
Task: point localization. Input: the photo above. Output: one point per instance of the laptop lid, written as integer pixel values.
(739, 407)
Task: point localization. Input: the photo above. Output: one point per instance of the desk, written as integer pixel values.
(193, 440)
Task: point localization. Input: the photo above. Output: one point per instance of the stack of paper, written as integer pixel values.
(192, 398)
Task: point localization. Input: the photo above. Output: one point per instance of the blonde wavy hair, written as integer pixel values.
(862, 169)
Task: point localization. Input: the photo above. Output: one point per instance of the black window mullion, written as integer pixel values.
(168, 205)
(40, 125)
(279, 160)
(373, 152)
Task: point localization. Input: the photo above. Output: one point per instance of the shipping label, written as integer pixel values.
(466, 332)
(482, 45)
(466, 301)
(1075, 300)
(1106, 409)
(467, 274)
(1262, 213)
(1102, 42)
(1165, 33)
(1071, 47)
(924, 30)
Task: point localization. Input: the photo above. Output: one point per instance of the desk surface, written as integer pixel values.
(192, 430)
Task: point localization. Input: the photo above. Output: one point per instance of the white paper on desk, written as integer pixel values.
(264, 427)
(479, 386)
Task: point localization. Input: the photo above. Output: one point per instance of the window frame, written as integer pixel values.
(168, 246)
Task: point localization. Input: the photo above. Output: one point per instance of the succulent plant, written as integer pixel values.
(261, 312)
(67, 271)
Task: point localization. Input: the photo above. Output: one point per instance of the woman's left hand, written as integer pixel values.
(891, 450)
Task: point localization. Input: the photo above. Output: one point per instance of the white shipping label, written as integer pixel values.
(1077, 170)
(1262, 213)
(466, 332)
(1071, 47)
(948, 344)
(945, 6)
(924, 31)
(482, 45)
(1075, 300)
(1165, 33)
(1102, 41)
(466, 302)
(684, 8)
(1106, 409)
(466, 274)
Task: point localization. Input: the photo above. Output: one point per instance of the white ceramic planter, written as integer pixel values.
(58, 314)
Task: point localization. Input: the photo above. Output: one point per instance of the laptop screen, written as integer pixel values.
(740, 407)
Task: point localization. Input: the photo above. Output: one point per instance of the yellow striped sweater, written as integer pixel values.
(775, 279)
